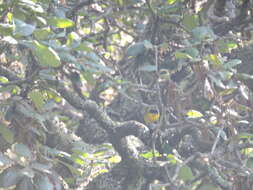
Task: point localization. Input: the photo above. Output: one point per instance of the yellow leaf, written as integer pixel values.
(194, 114)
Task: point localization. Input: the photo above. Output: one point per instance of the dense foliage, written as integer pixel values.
(78, 77)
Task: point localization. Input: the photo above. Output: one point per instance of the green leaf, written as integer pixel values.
(22, 150)
(3, 79)
(26, 183)
(28, 111)
(61, 22)
(43, 183)
(42, 34)
(249, 163)
(135, 49)
(185, 173)
(147, 44)
(94, 64)
(217, 81)
(245, 135)
(72, 169)
(46, 55)
(83, 47)
(149, 155)
(244, 76)
(9, 177)
(37, 99)
(6, 133)
(215, 59)
(171, 1)
(41, 167)
(67, 57)
(193, 52)
(88, 76)
(182, 55)
(74, 40)
(232, 63)
(22, 28)
(225, 75)
(148, 68)
(190, 21)
(208, 187)
(53, 95)
(226, 47)
(227, 91)
(6, 29)
(194, 114)
(172, 158)
(78, 160)
(203, 33)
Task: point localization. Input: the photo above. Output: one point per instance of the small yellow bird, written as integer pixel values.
(151, 116)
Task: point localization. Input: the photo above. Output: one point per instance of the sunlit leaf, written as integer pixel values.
(226, 47)
(10, 16)
(78, 160)
(215, 59)
(227, 91)
(3, 79)
(194, 114)
(114, 159)
(46, 55)
(6, 29)
(248, 152)
(171, 1)
(4, 160)
(245, 135)
(149, 155)
(74, 40)
(61, 22)
(36, 7)
(172, 158)
(10, 40)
